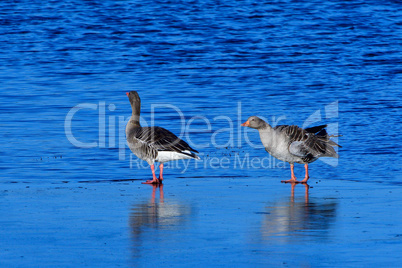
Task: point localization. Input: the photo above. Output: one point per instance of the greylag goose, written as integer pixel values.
(293, 144)
(154, 144)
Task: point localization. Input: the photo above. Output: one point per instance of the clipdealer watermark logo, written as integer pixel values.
(229, 139)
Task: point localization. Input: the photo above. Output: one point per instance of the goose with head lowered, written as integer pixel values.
(154, 144)
(293, 144)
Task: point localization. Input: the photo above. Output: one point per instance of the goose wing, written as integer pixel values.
(307, 143)
(161, 139)
(315, 129)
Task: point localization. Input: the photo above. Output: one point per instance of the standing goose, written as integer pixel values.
(293, 144)
(154, 144)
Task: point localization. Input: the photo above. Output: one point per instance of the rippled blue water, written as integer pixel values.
(292, 62)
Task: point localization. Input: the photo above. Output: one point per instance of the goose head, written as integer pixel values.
(254, 122)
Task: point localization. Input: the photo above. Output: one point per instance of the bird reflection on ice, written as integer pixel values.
(299, 217)
(152, 220)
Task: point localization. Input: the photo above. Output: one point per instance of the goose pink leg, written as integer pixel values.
(160, 173)
(154, 180)
(306, 177)
(293, 177)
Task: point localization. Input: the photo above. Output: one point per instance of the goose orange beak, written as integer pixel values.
(246, 124)
(127, 94)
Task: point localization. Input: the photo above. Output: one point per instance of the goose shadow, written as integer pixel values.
(156, 219)
(302, 217)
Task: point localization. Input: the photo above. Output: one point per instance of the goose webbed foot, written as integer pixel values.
(153, 181)
(294, 180)
(304, 180)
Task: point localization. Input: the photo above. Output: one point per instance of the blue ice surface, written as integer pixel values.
(70, 187)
